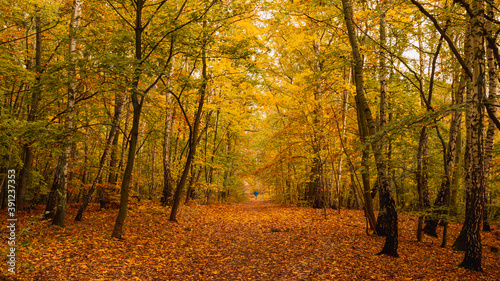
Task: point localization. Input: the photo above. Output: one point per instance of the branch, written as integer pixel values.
(177, 28)
(466, 6)
(153, 84)
(491, 114)
(116, 10)
(494, 48)
(392, 55)
(443, 33)
(154, 13)
(29, 35)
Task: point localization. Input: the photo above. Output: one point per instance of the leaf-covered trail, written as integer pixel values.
(256, 240)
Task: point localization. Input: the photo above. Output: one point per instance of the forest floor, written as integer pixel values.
(255, 240)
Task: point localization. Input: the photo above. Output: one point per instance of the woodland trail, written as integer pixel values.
(254, 240)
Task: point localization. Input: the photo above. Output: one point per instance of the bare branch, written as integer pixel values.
(443, 33)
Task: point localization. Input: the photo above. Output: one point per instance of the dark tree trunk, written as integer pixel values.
(113, 158)
(422, 179)
(134, 132)
(194, 178)
(444, 193)
(388, 207)
(109, 146)
(168, 188)
(24, 174)
(193, 135)
(52, 200)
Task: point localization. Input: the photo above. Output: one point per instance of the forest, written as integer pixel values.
(134, 134)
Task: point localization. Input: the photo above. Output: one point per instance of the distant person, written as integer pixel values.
(255, 193)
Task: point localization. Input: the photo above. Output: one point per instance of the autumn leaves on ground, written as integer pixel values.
(255, 240)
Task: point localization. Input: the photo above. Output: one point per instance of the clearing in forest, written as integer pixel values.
(255, 240)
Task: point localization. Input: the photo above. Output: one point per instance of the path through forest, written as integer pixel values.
(254, 240)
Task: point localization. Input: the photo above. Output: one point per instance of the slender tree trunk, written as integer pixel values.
(492, 99)
(444, 193)
(125, 142)
(388, 207)
(109, 145)
(457, 175)
(345, 98)
(422, 158)
(113, 158)
(383, 81)
(193, 135)
(85, 173)
(460, 242)
(168, 188)
(382, 218)
(368, 195)
(194, 178)
(422, 179)
(134, 132)
(24, 174)
(316, 179)
(60, 215)
(53, 197)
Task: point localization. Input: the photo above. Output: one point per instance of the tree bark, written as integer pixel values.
(492, 100)
(475, 187)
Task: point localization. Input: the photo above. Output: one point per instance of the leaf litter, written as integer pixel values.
(255, 240)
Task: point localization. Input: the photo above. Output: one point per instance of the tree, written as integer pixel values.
(32, 116)
(137, 98)
(389, 220)
(193, 129)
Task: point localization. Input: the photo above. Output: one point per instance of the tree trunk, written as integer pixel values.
(422, 158)
(492, 99)
(316, 178)
(53, 197)
(475, 187)
(60, 214)
(125, 142)
(460, 242)
(24, 174)
(193, 134)
(109, 145)
(444, 193)
(345, 98)
(113, 158)
(134, 132)
(422, 179)
(168, 188)
(194, 178)
(388, 206)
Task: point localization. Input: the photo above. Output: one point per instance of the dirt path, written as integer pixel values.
(255, 240)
